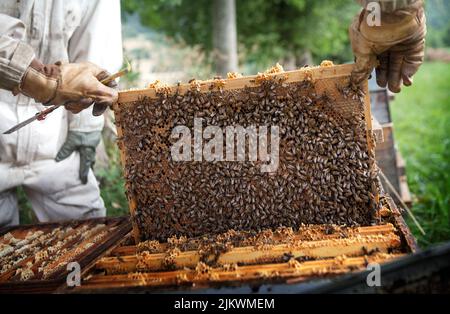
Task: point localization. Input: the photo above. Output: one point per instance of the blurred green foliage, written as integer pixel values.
(275, 30)
(112, 184)
(267, 30)
(421, 115)
(438, 23)
(26, 214)
(130, 79)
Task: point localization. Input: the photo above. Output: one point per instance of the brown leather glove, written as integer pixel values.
(395, 48)
(76, 85)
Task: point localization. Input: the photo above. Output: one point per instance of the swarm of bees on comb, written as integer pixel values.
(326, 172)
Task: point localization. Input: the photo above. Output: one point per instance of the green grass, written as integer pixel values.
(421, 115)
(26, 214)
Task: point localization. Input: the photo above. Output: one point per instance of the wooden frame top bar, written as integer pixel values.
(315, 73)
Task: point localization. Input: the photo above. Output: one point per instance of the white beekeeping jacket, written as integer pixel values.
(56, 30)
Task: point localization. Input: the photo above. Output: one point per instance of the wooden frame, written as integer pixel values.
(381, 240)
(125, 270)
(256, 274)
(315, 74)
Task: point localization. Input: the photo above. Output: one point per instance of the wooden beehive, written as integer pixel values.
(326, 172)
(33, 258)
(221, 253)
(234, 260)
(251, 255)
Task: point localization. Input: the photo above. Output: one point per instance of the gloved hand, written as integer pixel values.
(75, 83)
(395, 48)
(85, 143)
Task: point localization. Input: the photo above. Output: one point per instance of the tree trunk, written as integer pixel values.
(305, 58)
(224, 36)
(289, 62)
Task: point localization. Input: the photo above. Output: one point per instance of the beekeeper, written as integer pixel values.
(44, 50)
(388, 35)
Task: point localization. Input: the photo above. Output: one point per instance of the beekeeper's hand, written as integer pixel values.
(75, 84)
(395, 48)
(85, 143)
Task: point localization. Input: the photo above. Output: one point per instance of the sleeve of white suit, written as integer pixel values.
(98, 39)
(15, 55)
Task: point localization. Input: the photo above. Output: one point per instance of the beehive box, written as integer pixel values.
(307, 157)
(33, 258)
(247, 260)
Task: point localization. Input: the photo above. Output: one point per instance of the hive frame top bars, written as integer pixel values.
(315, 74)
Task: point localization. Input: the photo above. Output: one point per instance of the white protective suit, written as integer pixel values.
(56, 30)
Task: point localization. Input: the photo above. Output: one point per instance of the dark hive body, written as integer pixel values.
(325, 167)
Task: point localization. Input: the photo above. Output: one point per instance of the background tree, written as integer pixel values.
(225, 53)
